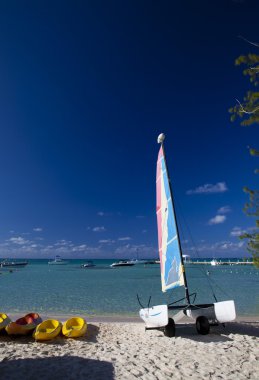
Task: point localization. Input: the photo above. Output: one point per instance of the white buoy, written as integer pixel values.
(161, 138)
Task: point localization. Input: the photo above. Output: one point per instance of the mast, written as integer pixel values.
(160, 140)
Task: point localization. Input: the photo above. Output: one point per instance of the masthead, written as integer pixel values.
(161, 138)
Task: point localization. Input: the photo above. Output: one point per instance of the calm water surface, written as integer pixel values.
(113, 291)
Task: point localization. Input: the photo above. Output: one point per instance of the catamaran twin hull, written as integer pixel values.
(205, 315)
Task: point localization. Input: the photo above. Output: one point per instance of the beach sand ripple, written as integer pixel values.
(126, 351)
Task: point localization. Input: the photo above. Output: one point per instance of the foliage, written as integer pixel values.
(248, 111)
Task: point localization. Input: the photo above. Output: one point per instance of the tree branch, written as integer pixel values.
(244, 111)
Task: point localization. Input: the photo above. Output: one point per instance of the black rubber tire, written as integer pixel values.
(202, 325)
(169, 330)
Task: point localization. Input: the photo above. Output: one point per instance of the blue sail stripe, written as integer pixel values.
(172, 275)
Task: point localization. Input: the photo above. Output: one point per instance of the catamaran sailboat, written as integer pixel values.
(172, 266)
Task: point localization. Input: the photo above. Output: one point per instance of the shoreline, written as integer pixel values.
(119, 318)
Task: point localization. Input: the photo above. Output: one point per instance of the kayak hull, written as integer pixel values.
(47, 330)
(24, 325)
(4, 321)
(74, 327)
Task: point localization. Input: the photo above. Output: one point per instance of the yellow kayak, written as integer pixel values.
(24, 325)
(47, 330)
(4, 321)
(74, 327)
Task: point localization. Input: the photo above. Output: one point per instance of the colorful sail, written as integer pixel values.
(168, 240)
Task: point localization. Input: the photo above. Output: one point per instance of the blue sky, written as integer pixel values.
(85, 89)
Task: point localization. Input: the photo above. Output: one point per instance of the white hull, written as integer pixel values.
(219, 312)
(155, 316)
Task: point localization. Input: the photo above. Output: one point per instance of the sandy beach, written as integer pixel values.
(124, 350)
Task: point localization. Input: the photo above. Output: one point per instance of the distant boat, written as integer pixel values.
(88, 264)
(214, 262)
(136, 261)
(6, 263)
(186, 259)
(124, 263)
(58, 261)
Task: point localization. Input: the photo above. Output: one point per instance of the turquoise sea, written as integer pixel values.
(102, 290)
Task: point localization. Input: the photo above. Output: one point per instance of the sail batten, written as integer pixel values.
(168, 239)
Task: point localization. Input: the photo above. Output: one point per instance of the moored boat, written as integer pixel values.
(214, 262)
(88, 264)
(58, 261)
(136, 261)
(6, 263)
(123, 263)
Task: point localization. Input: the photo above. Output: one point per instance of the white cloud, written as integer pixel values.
(106, 241)
(99, 229)
(224, 210)
(63, 243)
(124, 238)
(18, 240)
(141, 250)
(37, 229)
(220, 247)
(218, 219)
(208, 188)
(236, 231)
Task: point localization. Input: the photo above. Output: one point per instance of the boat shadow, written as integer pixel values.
(218, 333)
(57, 367)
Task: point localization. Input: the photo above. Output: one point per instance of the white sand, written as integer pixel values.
(125, 351)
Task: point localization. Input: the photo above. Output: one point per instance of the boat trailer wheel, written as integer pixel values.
(169, 330)
(202, 325)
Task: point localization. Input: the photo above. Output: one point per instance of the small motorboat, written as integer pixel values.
(47, 330)
(137, 261)
(58, 261)
(24, 325)
(6, 263)
(88, 264)
(123, 263)
(74, 327)
(4, 321)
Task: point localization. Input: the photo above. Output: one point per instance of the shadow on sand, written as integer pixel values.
(57, 368)
(218, 333)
